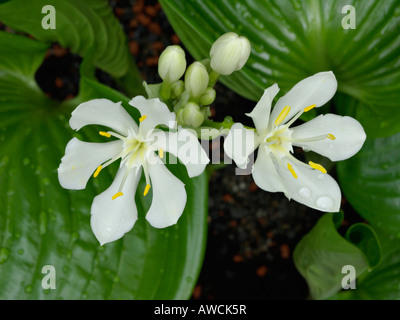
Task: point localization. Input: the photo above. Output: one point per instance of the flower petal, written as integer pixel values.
(262, 110)
(81, 160)
(264, 173)
(185, 145)
(102, 112)
(310, 187)
(315, 90)
(169, 196)
(240, 144)
(154, 113)
(111, 219)
(348, 134)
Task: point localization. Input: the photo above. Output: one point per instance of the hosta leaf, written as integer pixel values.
(295, 39)
(323, 252)
(381, 283)
(80, 26)
(43, 224)
(370, 181)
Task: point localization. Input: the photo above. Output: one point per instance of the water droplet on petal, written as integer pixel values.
(324, 203)
(305, 192)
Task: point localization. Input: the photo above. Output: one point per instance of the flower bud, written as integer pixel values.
(192, 115)
(229, 53)
(196, 79)
(177, 89)
(172, 64)
(208, 97)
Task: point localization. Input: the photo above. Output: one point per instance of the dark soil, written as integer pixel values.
(251, 233)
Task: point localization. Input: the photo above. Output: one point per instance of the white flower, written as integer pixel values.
(276, 169)
(196, 79)
(229, 53)
(114, 211)
(172, 64)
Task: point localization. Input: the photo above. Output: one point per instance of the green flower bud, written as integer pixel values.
(196, 79)
(172, 64)
(177, 89)
(192, 115)
(208, 97)
(229, 53)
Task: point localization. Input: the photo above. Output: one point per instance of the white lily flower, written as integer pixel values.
(114, 212)
(276, 169)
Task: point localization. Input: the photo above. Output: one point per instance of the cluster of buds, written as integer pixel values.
(190, 98)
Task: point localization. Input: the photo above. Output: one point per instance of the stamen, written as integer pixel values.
(146, 190)
(317, 167)
(316, 138)
(96, 173)
(310, 108)
(292, 170)
(142, 118)
(331, 136)
(118, 194)
(161, 153)
(105, 134)
(282, 115)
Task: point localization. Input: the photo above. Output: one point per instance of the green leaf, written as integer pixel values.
(381, 283)
(371, 182)
(43, 224)
(80, 26)
(323, 252)
(376, 125)
(292, 40)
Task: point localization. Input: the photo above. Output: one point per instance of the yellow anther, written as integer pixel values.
(96, 173)
(105, 134)
(317, 167)
(331, 136)
(142, 118)
(161, 153)
(118, 194)
(146, 190)
(282, 115)
(292, 170)
(310, 108)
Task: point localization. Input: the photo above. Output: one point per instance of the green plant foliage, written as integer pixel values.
(382, 283)
(295, 39)
(83, 27)
(323, 252)
(370, 181)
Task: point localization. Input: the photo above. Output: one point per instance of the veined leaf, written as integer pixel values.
(370, 181)
(321, 255)
(383, 282)
(80, 26)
